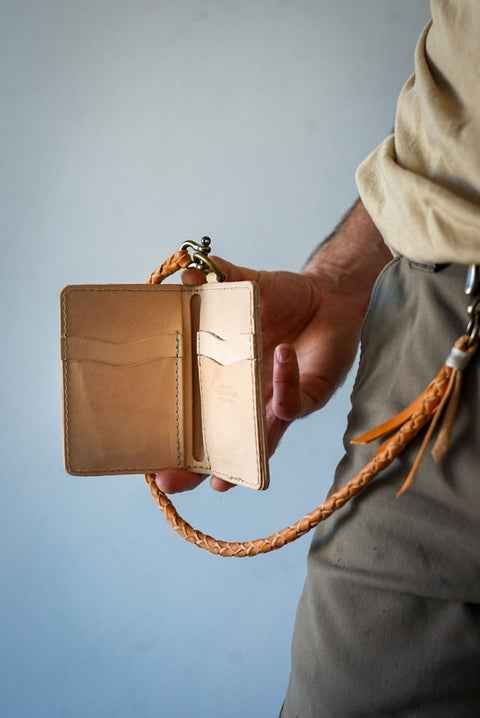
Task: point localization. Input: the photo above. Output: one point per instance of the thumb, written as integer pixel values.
(287, 401)
(232, 272)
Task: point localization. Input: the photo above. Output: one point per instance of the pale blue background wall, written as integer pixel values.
(127, 127)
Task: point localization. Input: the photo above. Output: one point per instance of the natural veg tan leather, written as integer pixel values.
(216, 357)
(160, 377)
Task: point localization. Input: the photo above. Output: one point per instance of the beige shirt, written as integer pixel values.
(422, 184)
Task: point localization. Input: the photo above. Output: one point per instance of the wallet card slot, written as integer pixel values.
(197, 434)
(121, 353)
(225, 351)
(117, 406)
(230, 421)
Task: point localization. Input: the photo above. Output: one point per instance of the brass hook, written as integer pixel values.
(200, 258)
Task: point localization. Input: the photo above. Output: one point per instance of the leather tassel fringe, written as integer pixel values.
(436, 406)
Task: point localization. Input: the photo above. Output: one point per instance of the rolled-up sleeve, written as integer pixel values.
(422, 184)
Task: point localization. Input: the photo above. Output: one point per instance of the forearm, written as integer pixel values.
(350, 260)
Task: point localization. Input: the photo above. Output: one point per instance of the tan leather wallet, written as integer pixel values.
(164, 376)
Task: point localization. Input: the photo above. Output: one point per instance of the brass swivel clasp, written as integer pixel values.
(200, 258)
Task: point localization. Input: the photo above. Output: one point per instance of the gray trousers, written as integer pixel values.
(388, 623)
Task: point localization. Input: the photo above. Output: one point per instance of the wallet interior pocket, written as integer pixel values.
(227, 386)
(225, 351)
(123, 396)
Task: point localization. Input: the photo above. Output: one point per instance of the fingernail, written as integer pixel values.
(283, 353)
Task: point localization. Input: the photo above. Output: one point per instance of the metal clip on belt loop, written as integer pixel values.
(472, 290)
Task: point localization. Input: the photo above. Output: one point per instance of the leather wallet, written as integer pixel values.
(164, 376)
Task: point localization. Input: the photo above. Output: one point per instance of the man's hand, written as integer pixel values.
(310, 328)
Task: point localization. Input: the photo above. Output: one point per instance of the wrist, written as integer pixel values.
(351, 259)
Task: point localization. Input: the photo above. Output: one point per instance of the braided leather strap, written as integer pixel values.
(412, 420)
(179, 260)
(383, 458)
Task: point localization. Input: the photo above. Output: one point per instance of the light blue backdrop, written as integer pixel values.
(126, 127)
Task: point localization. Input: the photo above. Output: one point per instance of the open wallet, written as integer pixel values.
(171, 376)
(164, 376)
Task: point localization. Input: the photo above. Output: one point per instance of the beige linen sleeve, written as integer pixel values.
(421, 186)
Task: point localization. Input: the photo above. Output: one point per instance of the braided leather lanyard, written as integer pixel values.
(436, 406)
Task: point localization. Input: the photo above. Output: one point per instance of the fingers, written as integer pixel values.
(232, 272)
(287, 399)
(220, 485)
(173, 481)
(191, 277)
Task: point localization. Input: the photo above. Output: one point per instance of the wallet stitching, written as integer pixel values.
(204, 422)
(177, 398)
(252, 370)
(65, 384)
